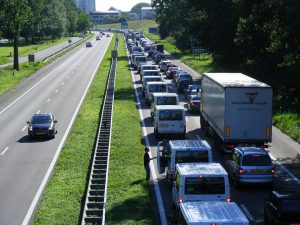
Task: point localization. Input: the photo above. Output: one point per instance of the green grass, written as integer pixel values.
(289, 124)
(128, 199)
(65, 193)
(10, 78)
(140, 25)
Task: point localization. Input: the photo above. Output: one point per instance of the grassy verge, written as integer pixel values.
(9, 78)
(289, 124)
(64, 196)
(128, 198)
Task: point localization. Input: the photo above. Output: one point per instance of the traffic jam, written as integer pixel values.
(209, 136)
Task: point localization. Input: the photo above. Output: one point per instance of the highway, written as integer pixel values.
(249, 197)
(58, 88)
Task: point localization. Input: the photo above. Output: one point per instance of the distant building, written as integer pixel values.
(98, 17)
(86, 5)
(133, 16)
(147, 13)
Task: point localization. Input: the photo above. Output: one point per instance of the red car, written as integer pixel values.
(171, 71)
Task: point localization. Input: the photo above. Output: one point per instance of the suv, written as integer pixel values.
(282, 207)
(250, 165)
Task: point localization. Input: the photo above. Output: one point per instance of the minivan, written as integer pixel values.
(163, 99)
(149, 79)
(200, 182)
(169, 120)
(152, 87)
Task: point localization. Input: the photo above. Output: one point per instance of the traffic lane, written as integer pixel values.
(27, 161)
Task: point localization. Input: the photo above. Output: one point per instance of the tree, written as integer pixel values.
(137, 8)
(13, 15)
(83, 22)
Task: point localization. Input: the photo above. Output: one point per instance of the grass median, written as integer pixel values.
(65, 194)
(129, 199)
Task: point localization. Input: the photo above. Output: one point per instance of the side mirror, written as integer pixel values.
(28, 122)
(55, 121)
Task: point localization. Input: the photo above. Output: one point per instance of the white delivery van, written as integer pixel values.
(211, 212)
(169, 120)
(200, 182)
(181, 151)
(138, 60)
(133, 55)
(152, 87)
(146, 73)
(148, 67)
(150, 79)
(163, 99)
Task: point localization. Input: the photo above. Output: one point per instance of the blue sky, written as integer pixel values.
(123, 5)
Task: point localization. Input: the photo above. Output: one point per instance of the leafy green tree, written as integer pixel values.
(137, 8)
(83, 22)
(13, 15)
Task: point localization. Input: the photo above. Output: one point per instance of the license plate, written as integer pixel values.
(256, 171)
(164, 125)
(40, 133)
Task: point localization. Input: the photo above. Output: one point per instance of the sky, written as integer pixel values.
(123, 5)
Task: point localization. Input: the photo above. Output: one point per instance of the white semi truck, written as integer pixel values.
(236, 110)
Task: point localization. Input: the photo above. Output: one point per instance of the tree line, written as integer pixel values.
(260, 38)
(37, 20)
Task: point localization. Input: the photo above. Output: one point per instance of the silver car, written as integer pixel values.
(250, 165)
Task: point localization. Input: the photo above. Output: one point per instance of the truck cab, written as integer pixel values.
(181, 151)
(200, 182)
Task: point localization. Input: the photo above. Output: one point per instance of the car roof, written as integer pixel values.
(156, 82)
(252, 150)
(162, 107)
(201, 169)
(166, 94)
(42, 114)
(189, 145)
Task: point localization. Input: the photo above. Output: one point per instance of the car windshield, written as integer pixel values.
(204, 185)
(191, 156)
(256, 160)
(41, 119)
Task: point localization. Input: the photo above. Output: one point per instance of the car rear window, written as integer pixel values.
(166, 100)
(191, 156)
(170, 115)
(158, 88)
(256, 160)
(204, 185)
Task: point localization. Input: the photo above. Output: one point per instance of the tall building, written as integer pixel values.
(86, 5)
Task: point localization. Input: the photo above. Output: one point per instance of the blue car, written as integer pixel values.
(42, 125)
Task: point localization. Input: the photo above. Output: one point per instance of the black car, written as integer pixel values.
(282, 208)
(42, 125)
(193, 103)
(182, 85)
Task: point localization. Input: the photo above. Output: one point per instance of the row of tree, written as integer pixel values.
(37, 20)
(260, 37)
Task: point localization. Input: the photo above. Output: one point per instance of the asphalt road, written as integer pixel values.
(58, 88)
(250, 198)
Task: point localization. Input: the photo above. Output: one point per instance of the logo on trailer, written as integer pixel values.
(251, 97)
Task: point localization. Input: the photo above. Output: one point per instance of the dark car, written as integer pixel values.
(182, 85)
(98, 38)
(42, 125)
(88, 44)
(193, 103)
(282, 207)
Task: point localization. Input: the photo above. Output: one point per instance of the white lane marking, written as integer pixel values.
(285, 169)
(246, 211)
(11, 104)
(72, 72)
(4, 151)
(38, 111)
(48, 173)
(56, 90)
(186, 119)
(63, 83)
(152, 168)
(49, 99)
(24, 128)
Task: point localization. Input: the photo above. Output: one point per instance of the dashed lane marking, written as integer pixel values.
(4, 151)
(24, 128)
(49, 99)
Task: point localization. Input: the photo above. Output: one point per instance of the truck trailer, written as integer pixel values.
(236, 110)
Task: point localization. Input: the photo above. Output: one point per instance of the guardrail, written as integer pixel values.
(94, 208)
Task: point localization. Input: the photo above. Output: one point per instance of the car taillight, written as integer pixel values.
(228, 200)
(213, 224)
(241, 171)
(272, 170)
(180, 200)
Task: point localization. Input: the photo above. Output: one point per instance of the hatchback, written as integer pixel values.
(42, 125)
(250, 165)
(282, 207)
